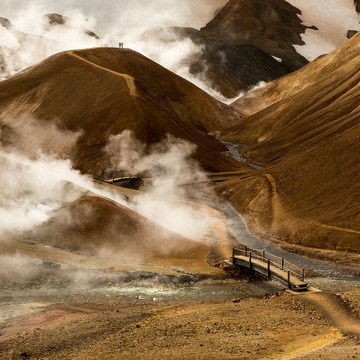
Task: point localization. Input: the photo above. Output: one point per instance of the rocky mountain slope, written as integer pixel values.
(248, 42)
(312, 104)
(252, 41)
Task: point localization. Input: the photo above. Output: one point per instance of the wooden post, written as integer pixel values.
(282, 263)
(233, 256)
(269, 274)
(250, 255)
(289, 279)
(263, 255)
(246, 251)
(303, 275)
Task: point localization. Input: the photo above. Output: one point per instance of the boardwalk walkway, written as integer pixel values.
(270, 265)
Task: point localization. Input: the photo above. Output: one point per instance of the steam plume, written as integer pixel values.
(126, 21)
(168, 163)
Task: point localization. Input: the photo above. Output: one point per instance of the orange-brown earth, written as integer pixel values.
(97, 226)
(134, 328)
(303, 109)
(102, 92)
(308, 142)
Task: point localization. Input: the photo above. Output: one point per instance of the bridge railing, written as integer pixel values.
(119, 178)
(268, 258)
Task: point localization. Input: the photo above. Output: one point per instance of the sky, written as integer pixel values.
(109, 13)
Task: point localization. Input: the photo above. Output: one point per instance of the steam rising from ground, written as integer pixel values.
(169, 164)
(125, 12)
(32, 188)
(126, 21)
(35, 184)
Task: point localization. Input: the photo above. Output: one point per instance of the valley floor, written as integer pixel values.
(74, 306)
(198, 321)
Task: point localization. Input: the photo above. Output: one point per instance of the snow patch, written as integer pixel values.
(277, 59)
(333, 18)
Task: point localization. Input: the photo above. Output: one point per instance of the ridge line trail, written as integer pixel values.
(130, 81)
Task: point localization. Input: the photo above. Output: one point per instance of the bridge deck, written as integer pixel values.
(271, 270)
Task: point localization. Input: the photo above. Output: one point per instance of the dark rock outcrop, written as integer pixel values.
(351, 33)
(247, 42)
(357, 5)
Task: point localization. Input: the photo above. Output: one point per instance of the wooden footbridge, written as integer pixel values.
(119, 179)
(270, 265)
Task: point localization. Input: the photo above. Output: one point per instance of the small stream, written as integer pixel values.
(234, 153)
(238, 229)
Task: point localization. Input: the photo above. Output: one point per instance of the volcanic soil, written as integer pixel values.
(180, 327)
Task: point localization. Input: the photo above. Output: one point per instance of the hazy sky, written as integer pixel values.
(110, 13)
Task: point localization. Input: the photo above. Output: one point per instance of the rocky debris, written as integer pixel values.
(180, 329)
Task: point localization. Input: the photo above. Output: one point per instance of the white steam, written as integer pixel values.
(109, 13)
(168, 164)
(35, 134)
(248, 92)
(32, 189)
(121, 21)
(33, 186)
(333, 18)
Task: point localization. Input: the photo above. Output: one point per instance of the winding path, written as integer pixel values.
(130, 81)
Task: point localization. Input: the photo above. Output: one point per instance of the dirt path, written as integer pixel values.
(335, 311)
(276, 204)
(130, 81)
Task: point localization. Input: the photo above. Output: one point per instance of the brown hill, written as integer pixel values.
(104, 91)
(312, 199)
(289, 85)
(97, 226)
(315, 103)
(308, 142)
